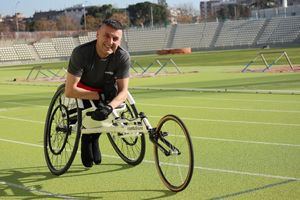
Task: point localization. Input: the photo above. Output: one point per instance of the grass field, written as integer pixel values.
(246, 142)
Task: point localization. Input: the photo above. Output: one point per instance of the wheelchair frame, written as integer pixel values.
(130, 132)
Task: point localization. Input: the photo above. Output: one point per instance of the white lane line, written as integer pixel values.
(23, 143)
(196, 167)
(184, 118)
(193, 137)
(248, 173)
(176, 106)
(10, 109)
(20, 119)
(32, 189)
(25, 104)
(246, 141)
(233, 121)
(219, 108)
(243, 100)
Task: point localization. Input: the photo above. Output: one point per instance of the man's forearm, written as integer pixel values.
(119, 99)
(76, 92)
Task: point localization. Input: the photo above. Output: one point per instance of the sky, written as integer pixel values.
(28, 7)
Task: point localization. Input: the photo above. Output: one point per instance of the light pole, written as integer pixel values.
(151, 15)
(16, 15)
(84, 15)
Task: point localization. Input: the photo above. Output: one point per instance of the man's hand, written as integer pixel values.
(101, 113)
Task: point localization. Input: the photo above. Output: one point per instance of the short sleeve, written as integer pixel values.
(75, 63)
(124, 66)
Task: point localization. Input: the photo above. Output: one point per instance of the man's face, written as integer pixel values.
(108, 40)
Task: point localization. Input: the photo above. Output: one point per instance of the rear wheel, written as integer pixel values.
(131, 149)
(174, 157)
(61, 132)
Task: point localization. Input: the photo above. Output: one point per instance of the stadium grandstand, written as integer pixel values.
(275, 31)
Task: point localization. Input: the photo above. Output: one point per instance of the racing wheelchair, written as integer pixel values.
(126, 130)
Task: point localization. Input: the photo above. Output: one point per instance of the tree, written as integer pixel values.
(233, 11)
(103, 12)
(92, 23)
(121, 17)
(243, 11)
(66, 23)
(163, 3)
(263, 4)
(187, 13)
(45, 25)
(140, 14)
(184, 19)
(222, 13)
(4, 27)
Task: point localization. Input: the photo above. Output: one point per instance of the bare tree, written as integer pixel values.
(188, 13)
(187, 9)
(121, 17)
(92, 23)
(66, 23)
(45, 25)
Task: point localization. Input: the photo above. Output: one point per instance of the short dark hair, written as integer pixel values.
(113, 23)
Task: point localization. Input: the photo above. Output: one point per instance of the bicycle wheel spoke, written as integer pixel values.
(176, 168)
(131, 148)
(60, 145)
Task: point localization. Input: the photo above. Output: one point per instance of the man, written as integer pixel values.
(99, 70)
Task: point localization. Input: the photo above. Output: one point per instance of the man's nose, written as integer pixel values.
(110, 40)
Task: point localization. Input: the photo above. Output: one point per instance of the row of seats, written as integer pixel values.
(194, 35)
(16, 52)
(147, 39)
(236, 33)
(202, 35)
(281, 30)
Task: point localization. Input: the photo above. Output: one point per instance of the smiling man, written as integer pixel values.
(99, 71)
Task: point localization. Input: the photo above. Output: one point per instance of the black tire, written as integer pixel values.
(60, 141)
(130, 149)
(175, 170)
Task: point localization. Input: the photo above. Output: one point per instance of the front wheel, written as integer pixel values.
(173, 153)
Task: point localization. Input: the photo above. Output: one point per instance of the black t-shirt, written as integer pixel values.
(86, 63)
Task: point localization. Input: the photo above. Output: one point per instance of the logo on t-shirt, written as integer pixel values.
(109, 73)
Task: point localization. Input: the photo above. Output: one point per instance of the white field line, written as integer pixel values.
(10, 109)
(234, 121)
(32, 189)
(200, 119)
(176, 106)
(207, 98)
(226, 90)
(248, 173)
(220, 108)
(196, 167)
(186, 97)
(20, 119)
(242, 100)
(242, 141)
(25, 104)
(203, 119)
(193, 137)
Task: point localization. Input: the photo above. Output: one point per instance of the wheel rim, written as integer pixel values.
(61, 140)
(60, 126)
(130, 149)
(175, 170)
